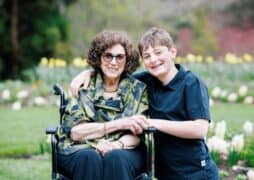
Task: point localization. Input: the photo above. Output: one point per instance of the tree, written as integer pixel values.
(28, 31)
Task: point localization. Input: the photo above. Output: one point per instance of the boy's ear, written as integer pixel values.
(173, 51)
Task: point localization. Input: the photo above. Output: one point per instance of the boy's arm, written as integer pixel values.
(83, 78)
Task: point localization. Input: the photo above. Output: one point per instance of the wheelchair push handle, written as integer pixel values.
(58, 90)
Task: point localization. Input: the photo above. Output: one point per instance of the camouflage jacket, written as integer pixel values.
(91, 106)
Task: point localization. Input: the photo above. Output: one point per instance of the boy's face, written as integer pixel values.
(158, 60)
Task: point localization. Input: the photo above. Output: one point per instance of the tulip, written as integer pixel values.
(16, 106)
(22, 94)
(248, 100)
(217, 145)
(250, 175)
(243, 90)
(220, 129)
(216, 92)
(6, 95)
(237, 143)
(248, 127)
(232, 97)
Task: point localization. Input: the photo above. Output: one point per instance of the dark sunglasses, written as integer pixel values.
(108, 57)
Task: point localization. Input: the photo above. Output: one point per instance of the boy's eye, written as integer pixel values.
(157, 52)
(146, 56)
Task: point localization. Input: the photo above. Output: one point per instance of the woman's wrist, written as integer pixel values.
(118, 144)
(121, 144)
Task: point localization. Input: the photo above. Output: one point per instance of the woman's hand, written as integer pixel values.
(136, 124)
(141, 121)
(81, 78)
(105, 146)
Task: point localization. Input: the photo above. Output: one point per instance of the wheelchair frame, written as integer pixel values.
(52, 131)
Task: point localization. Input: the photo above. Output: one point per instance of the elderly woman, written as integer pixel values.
(100, 139)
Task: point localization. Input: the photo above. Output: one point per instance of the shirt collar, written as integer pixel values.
(174, 83)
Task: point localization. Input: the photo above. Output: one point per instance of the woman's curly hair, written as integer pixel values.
(107, 39)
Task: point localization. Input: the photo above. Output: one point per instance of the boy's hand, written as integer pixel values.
(81, 78)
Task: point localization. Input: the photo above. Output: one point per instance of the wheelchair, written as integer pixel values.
(52, 131)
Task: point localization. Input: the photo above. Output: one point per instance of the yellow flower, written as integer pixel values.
(60, 62)
(190, 58)
(51, 63)
(231, 58)
(79, 62)
(247, 57)
(209, 59)
(199, 59)
(44, 61)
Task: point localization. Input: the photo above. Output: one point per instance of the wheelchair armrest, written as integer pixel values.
(150, 130)
(51, 130)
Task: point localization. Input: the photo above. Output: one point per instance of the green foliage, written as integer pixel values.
(44, 147)
(234, 157)
(242, 10)
(241, 177)
(216, 157)
(42, 30)
(223, 174)
(204, 41)
(249, 151)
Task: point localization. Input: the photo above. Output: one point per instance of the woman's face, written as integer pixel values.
(113, 61)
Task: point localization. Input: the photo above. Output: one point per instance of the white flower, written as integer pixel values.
(232, 97)
(223, 93)
(250, 175)
(242, 91)
(16, 106)
(22, 94)
(248, 127)
(6, 94)
(211, 102)
(248, 100)
(216, 92)
(220, 129)
(40, 101)
(218, 145)
(237, 143)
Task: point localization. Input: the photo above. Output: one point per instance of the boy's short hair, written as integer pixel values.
(155, 36)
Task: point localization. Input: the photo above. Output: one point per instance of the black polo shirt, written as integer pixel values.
(184, 98)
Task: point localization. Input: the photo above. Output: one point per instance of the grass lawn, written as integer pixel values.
(234, 115)
(28, 169)
(22, 131)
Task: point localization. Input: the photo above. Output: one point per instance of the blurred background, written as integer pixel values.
(43, 42)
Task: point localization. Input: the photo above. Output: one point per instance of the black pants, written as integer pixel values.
(88, 164)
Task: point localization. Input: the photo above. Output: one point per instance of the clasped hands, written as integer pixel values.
(136, 124)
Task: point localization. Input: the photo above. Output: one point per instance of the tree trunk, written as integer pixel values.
(14, 40)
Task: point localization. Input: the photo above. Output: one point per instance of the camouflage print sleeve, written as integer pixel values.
(72, 116)
(143, 104)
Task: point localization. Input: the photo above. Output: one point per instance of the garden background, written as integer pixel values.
(44, 42)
